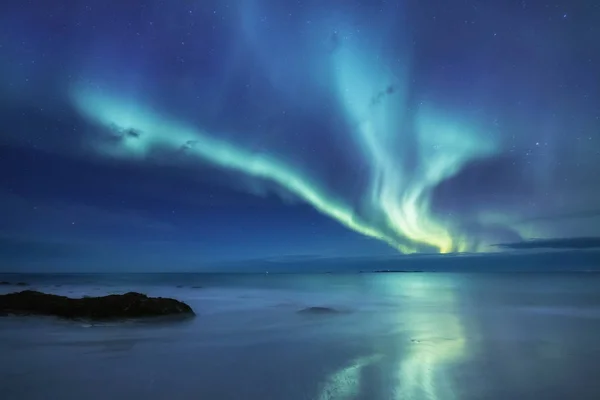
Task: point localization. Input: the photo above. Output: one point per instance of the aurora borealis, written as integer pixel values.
(427, 127)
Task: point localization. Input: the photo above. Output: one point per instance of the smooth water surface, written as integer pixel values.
(394, 336)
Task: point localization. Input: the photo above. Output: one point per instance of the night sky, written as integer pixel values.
(168, 135)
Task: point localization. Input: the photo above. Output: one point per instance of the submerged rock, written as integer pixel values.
(4, 283)
(115, 306)
(22, 284)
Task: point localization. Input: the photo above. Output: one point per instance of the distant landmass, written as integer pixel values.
(506, 261)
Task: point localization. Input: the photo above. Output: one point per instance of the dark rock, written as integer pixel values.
(318, 310)
(115, 306)
(4, 283)
(197, 287)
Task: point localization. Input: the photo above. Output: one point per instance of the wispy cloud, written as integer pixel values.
(555, 243)
(20, 249)
(564, 216)
(56, 214)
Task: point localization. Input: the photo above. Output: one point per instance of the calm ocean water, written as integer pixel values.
(396, 336)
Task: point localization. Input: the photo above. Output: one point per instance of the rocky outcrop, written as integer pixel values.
(115, 306)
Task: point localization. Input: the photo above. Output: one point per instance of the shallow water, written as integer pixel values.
(397, 336)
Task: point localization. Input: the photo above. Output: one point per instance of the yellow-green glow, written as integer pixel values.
(403, 176)
(157, 132)
(375, 100)
(398, 198)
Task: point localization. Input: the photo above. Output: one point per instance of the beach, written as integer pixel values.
(255, 336)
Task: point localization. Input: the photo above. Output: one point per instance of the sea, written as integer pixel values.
(387, 336)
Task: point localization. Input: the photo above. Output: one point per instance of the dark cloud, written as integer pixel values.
(132, 133)
(378, 98)
(118, 133)
(334, 42)
(188, 145)
(558, 243)
(492, 183)
(564, 216)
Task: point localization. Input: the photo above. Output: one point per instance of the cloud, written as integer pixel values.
(20, 249)
(378, 98)
(54, 213)
(334, 42)
(564, 216)
(556, 243)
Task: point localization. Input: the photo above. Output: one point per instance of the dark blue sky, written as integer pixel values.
(180, 135)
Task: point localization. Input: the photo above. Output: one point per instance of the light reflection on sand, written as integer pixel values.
(429, 343)
(402, 336)
(345, 383)
(438, 341)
